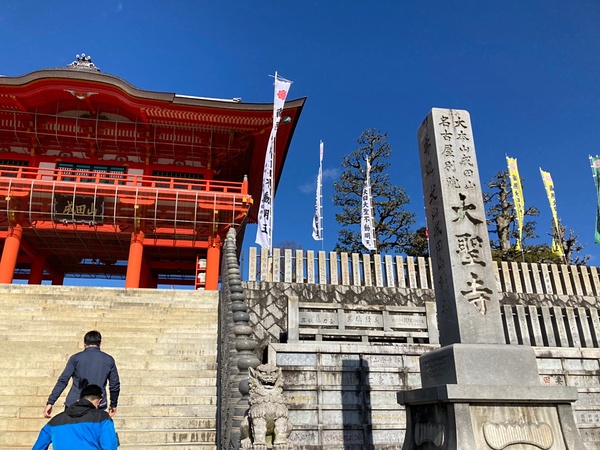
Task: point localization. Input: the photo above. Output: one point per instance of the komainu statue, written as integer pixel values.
(267, 420)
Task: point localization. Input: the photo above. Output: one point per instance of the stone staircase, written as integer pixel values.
(164, 342)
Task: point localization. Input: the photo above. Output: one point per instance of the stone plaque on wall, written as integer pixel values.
(340, 360)
(346, 437)
(293, 397)
(304, 437)
(297, 359)
(300, 378)
(304, 416)
(389, 437)
(345, 398)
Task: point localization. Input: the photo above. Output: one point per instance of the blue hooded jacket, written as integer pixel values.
(80, 427)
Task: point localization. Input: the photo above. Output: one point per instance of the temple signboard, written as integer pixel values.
(78, 209)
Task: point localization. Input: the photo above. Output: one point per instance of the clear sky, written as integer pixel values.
(527, 71)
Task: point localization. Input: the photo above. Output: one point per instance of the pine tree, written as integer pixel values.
(571, 247)
(502, 218)
(392, 221)
(418, 244)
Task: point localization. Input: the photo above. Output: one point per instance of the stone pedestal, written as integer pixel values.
(464, 418)
(477, 397)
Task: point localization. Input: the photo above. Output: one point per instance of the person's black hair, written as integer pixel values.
(91, 391)
(92, 338)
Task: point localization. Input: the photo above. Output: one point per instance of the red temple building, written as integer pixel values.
(101, 179)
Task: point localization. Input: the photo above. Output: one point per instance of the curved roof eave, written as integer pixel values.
(83, 75)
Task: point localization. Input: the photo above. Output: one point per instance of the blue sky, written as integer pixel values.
(527, 71)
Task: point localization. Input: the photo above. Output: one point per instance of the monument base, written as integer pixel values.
(452, 418)
(487, 397)
(480, 364)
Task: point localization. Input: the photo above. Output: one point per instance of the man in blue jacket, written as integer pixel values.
(82, 426)
(91, 366)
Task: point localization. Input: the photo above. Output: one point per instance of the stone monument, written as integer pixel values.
(477, 392)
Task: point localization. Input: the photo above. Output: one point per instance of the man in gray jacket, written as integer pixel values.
(91, 366)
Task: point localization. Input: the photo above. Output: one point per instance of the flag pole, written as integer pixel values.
(274, 147)
(321, 197)
(597, 185)
(317, 222)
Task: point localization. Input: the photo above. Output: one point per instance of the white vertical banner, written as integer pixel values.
(317, 233)
(367, 225)
(264, 232)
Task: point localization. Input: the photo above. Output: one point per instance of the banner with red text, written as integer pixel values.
(264, 232)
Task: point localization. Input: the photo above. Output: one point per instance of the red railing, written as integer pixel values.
(116, 178)
(166, 206)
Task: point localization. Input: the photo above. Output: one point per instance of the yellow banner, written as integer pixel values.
(549, 185)
(517, 193)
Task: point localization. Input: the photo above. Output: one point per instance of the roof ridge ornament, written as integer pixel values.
(83, 62)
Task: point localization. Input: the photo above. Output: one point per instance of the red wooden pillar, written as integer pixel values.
(146, 280)
(10, 253)
(213, 259)
(36, 274)
(58, 279)
(134, 263)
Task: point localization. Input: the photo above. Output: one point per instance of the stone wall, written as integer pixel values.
(343, 394)
(268, 302)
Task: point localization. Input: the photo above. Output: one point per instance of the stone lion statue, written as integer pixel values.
(267, 419)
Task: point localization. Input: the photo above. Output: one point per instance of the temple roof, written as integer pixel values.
(81, 111)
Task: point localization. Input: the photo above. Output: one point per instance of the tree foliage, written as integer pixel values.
(418, 243)
(392, 221)
(502, 220)
(292, 245)
(571, 247)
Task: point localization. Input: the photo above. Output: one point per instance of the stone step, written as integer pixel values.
(35, 411)
(202, 363)
(150, 436)
(141, 292)
(129, 391)
(126, 338)
(92, 303)
(121, 423)
(195, 446)
(104, 310)
(59, 358)
(165, 345)
(128, 437)
(142, 400)
(187, 322)
(152, 379)
(132, 390)
(107, 308)
(106, 304)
